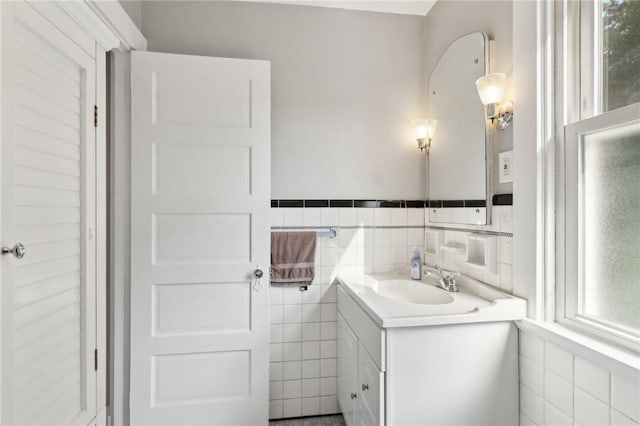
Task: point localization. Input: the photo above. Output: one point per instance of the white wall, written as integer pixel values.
(134, 10)
(345, 86)
(526, 212)
(450, 20)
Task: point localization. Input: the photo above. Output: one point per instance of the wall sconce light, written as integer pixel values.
(425, 129)
(491, 89)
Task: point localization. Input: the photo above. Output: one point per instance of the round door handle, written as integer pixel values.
(19, 250)
(258, 273)
(365, 387)
(354, 396)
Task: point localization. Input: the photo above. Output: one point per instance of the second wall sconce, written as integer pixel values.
(425, 129)
(491, 90)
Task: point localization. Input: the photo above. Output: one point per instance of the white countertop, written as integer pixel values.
(475, 302)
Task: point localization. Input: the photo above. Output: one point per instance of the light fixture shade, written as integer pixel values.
(491, 88)
(425, 128)
(422, 130)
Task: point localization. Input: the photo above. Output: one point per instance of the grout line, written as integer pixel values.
(532, 391)
(526, 417)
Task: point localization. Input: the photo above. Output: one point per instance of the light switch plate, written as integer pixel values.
(505, 164)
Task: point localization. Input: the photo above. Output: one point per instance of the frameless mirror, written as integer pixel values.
(457, 157)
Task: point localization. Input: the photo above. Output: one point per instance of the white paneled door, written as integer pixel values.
(200, 228)
(48, 296)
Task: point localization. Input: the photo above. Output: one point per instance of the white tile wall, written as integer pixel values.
(303, 327)
(502, 276)
(559, 387)
(625, 396)
(303, 324)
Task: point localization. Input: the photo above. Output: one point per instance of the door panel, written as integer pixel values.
(200, 226)
(370, 384)
(347, 371)
(213, 308)
(48, 204)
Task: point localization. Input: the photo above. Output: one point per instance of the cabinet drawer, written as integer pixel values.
(370, 335)
(370, 389)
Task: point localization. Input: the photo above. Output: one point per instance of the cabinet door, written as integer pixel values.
(347, 371)
(48, 293)
(370, 390)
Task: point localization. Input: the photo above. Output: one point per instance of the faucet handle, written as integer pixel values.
(454, 275)
(438, 269)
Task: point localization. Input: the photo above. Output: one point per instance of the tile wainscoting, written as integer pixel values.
(560, 387)
(500, 275)
(376, 238)
(303, 323)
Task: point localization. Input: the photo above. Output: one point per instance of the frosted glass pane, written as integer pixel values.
(610, 193)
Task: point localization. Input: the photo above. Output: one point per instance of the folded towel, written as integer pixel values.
(292, 258)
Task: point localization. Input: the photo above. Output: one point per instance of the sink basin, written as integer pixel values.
(393, 300)
(411, 292)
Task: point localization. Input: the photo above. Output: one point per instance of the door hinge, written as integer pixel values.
(95, 116)
(95, 360)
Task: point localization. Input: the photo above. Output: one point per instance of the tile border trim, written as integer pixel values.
(497, 200)
(502, 200)
(282, 228)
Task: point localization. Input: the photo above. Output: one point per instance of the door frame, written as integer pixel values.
(99, 27)
(118, 111)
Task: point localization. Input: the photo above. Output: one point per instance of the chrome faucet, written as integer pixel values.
(446, 281)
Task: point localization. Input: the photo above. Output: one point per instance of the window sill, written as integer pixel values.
(616, 360)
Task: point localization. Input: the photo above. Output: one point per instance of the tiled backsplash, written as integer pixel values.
(369, 240)
(559, 387)
(303, 323)
(454, 235)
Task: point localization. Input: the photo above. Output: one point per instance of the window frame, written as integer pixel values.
(571, 180)
(577, 110)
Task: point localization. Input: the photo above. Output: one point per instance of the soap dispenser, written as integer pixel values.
(416, 264)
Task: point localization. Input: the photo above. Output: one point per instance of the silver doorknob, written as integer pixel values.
(19, 250)
(258, 273)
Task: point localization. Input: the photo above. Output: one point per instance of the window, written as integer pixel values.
(620, 53)
(608, 67)
(598, 219)
(602, 225)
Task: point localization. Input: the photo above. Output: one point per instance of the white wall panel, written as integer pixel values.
(195, 378)
(212, 308)
(230, 232)
(180, 168)
(212, 99)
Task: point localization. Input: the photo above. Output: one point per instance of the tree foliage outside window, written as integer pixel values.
(621, 44)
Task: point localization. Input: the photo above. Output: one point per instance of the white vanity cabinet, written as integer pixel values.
(360, 381)
(441, 374)
(371, 386)
(347, 351)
